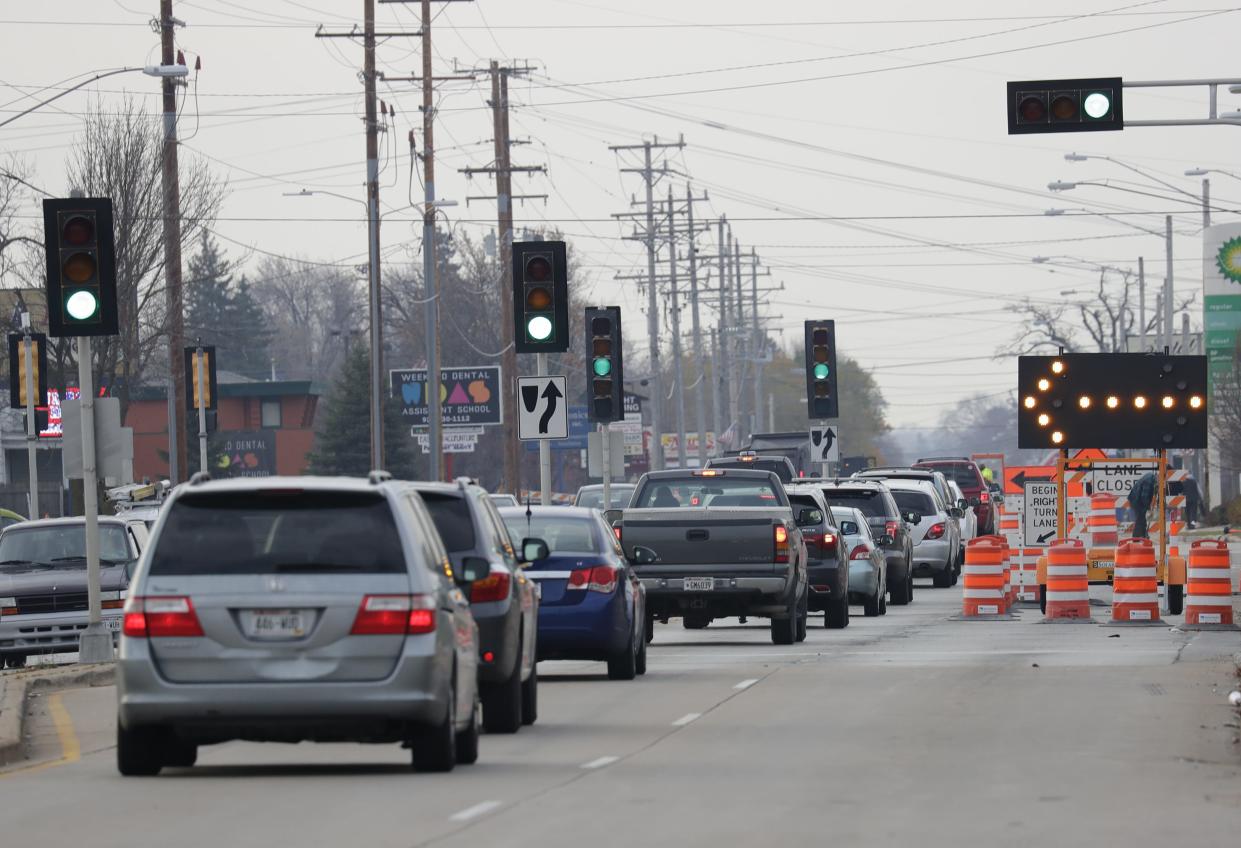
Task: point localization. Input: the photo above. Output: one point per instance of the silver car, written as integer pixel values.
(287, 609)
(591, 496)
(936, 535)
(868, 564)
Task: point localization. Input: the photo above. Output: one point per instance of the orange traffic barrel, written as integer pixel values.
(1102, 521)
(1008, 587)
(1068, 588)
(983, 574)
(1209, 592)
(1135, 582)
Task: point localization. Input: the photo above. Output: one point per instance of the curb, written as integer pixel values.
(15, 688)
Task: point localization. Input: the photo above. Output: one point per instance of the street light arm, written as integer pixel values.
(1150, 177)
(69, 90)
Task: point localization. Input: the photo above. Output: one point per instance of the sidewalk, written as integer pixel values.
(15, 688)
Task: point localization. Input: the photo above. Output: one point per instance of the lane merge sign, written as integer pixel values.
(542, 410)
(1040, 517)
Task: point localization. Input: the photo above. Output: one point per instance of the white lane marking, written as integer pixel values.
(600, 763)
(746, 684)
(686, 719)
(474, 812)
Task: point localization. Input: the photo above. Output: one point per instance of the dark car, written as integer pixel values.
(826, 570)
(883, 516)
(43, 592)
(504, 604)
(966, 474)
(781, 466)
(593, 606)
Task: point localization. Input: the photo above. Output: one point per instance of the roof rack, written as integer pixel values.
(940, 458)
(377, 476)
(200, 477)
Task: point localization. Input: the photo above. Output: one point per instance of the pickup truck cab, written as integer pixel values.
(716, 543)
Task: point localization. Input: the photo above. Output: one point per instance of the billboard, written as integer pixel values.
(1221, 309)
(468, 396)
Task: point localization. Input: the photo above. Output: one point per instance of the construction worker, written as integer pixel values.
(1140, 497)
(987, 474)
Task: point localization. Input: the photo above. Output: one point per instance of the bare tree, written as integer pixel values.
(1101, 324)
(15, 191)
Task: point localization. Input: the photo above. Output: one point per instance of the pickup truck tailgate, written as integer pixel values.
(701, 536)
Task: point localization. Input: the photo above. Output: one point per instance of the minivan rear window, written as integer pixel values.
(870, 501)
(918, 502)
(451, 515)
(278, 532)
(960, 473)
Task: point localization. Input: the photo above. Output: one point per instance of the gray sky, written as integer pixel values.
(889, 115)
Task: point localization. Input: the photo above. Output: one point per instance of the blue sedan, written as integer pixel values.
(592, 607)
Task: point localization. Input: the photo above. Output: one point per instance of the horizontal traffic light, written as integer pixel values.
(81, 267)
(540, 297)
(1074, 105)
(1111, 400)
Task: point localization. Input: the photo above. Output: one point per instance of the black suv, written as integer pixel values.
(505, 604)
(875, 501)
(781, 466)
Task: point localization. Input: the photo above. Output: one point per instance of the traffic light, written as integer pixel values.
(1112, 400)
(605, 364)
(540, 297)
(17, 369)
(192, 389)
(81, 266)
(821, 397)
(1073, 105)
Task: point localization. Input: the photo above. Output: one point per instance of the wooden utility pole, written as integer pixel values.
(372, 238)
(171, 210)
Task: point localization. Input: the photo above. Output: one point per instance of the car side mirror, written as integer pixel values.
(956, 512)
(809, 517)
(962, 503)
(533, 550)
(474, 568)
(974, 501)
(613, 516)
(848, 528)
(884, 540)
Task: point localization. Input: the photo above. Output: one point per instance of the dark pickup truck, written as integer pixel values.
(716, 543)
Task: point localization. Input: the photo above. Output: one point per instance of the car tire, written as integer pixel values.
(650, 628)
(902, 593)
(836, 617)
(467, 740)
(803, 619)
(434, 748)
(1176, 599)
(641, 660)
(784, 629)
(624, 666)
(883, 600)
(873, 605)
(942, 579)
(138, 751)
(695, 622)
(181, 754)
(530, 697)
(1042, 598)
(502, 702)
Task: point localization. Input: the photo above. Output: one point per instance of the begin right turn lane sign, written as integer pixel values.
(1040, 519)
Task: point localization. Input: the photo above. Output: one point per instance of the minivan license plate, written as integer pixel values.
(699, 584)
(275, 623)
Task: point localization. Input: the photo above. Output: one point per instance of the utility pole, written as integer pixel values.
(757, 348)
(737, 332)
(1168, 306)
(649, 174)
(503, 170)
(678, 370)
(171, 208)
(699, 396)
(717, 390)
(1142, 301)
(725, 383)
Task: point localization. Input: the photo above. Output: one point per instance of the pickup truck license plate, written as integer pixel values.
(275, 623)
(112, 625)
(699, 584)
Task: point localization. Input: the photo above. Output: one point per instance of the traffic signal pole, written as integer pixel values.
(96, 642)
(201, 401)
(32, 431)
(171, 207)
(545, 448)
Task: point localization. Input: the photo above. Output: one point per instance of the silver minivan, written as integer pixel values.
(293, 609)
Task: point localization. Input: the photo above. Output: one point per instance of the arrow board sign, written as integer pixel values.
(824, 444)
(1040, 518)
(542, 412)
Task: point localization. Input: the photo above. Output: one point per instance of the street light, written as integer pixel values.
(1082, 157)
(1202, 172)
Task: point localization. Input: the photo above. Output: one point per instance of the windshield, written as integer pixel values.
(870, 501)
(695, 492)
(62, 545)
(918, 502)
(269, 532)
(452, 519)
(563, 534)
(593, 498)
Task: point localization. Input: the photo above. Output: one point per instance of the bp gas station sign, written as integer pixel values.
(1221, 318)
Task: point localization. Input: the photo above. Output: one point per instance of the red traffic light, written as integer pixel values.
(1032, 109)
(538, 269)
(77, 231)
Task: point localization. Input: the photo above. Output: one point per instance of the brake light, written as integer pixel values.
(493, 587)
(617, 531)
(860, 552)
(394, 615)
(936, 531)
(891, 528)
(161, 617)
(782, 543)
(598, 578)
(984, 496)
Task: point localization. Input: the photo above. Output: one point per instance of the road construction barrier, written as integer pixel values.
(1209, 598)
(984, 575)
(1135, 582)
(1030, 591)
(1068, 591)
(1102, 521)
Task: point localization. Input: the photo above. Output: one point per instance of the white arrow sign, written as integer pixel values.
(542, 408)
(824, 443)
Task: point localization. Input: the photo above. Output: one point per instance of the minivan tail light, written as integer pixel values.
(596, 578)
(984, 496)
(394, 615)
(936, 531)
(782, 543)
(493, 587)
(161, 617)
(860, 552)
(891, 528)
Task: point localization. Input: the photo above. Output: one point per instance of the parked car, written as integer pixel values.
(887, 525)
(827, 572)
(593, 606)
(504, 500)
(43, 592)
(591, 496)
(779, 465)
(936, 537)
(718, 542)
(505, 603)
(290, 609)
(966, 474)
(968, 522)
(868, 567)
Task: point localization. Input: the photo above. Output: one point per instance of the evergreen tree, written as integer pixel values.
(224, 313)
(342, 445)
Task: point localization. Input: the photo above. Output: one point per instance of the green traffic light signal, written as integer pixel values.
(602, 366)
(539, 328)
(821, 371)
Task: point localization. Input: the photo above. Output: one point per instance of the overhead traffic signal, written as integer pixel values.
(81, 266)
(821, 396)
(605, 364)
(1112, 400)
(1073, 105)
(540, 297)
